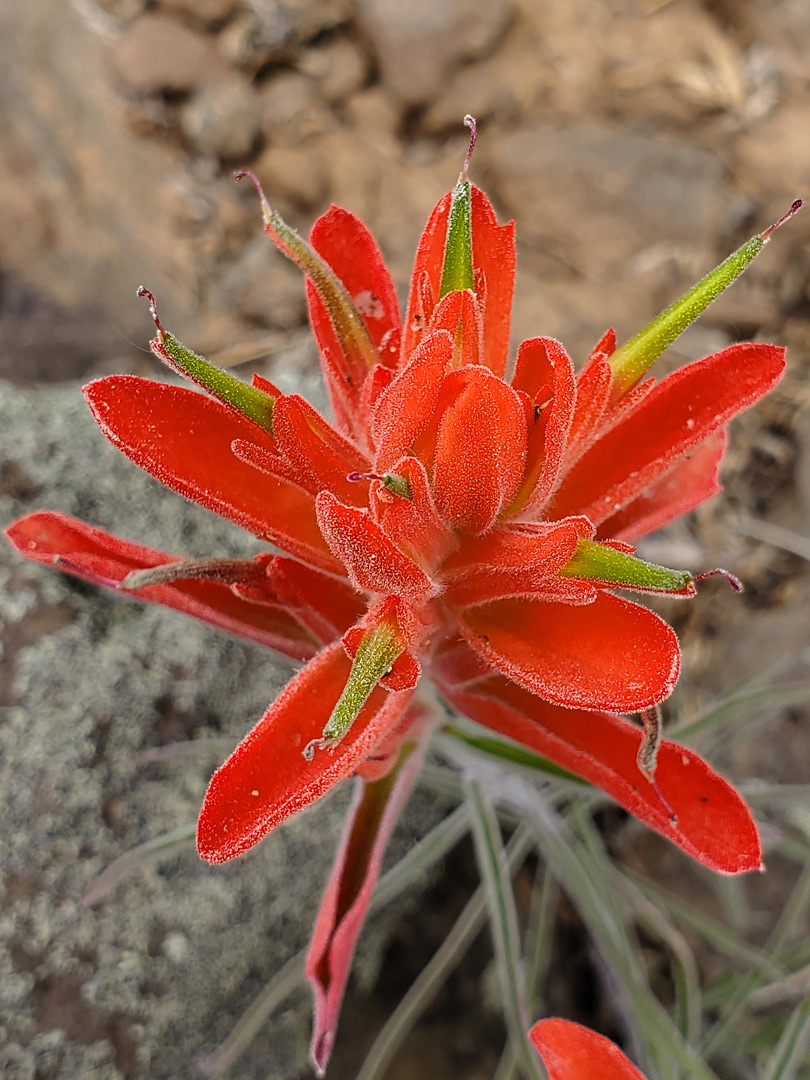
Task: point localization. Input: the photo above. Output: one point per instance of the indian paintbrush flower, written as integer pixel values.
(451, 526)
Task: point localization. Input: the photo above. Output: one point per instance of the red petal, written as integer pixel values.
(572, 1052)
(317, 450)
(346, 244)
(373, 562)
(372, 817)
(494, 265)
(407, 406)
(690, 482)
(518, 561)
(429, 261)
(93, 554)
(458, 314)
(610, 654)
(541, 363)
(480, 449)
(406, 670)
(672, 418)
(327, 605)
(414, 524)
(713, 823)
(184, 439)
(267, 778)
(594, 385)
(493, 249)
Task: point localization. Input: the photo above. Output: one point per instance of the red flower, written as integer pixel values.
(572, 1052)
(451, 523)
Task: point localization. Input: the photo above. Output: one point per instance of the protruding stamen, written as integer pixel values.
(74, 568)
(732, 579)
(471, 124)
(356, 477)
(267, 213)
(397, 485)
(143, 291)
(648, 754)
(795, 207)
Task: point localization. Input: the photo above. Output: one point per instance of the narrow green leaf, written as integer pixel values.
(790, 1053)
(433, 977)
(350, 329)
(152, 851)
(503, 921)
(457, 271)
(513, 753)
(247, 399)
(792, 918)
(770, 696)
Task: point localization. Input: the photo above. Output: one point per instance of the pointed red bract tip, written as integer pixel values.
(143, 291)
(795, 207)
(573, 1052)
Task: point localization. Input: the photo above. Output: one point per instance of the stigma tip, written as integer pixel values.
(732, 579)
(469, 122)
(795, 207)
(143, 291)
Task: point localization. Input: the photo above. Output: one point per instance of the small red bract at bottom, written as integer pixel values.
(451, 530)
(573, 1052)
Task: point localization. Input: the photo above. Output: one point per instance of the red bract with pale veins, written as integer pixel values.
(451, 525)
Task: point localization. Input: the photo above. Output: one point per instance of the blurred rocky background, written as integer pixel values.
(636, 142)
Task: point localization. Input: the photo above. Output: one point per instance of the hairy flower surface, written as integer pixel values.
(451, 523)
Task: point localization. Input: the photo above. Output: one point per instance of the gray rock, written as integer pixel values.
(207, 12)
(340, 66)
(223, 119)
(420, 43)
(293, 110)
(159, 972)
(272, 29)
(158, 53)
(633, 189)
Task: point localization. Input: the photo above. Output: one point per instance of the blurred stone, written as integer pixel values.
(600, 194)
(340, 67)
(223, 119)
(271, 29)
(158, 53)
(294, 173)
(373, 111)
(502, 87)
(292, 109)
(263, 286)
(207, 12)
(420, 43)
